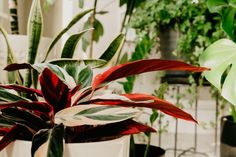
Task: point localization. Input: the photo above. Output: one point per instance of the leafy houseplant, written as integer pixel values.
(77, 113)
(196, 27)
(220, 57)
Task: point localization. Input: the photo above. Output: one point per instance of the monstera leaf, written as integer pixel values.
(220, 57)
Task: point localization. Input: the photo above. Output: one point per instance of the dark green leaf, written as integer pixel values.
(51, 139)
(24, 118)
(70, 45)
(85, 77)
(6, 96)
(113, 48)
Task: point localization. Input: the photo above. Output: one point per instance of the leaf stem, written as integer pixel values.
(92, 20)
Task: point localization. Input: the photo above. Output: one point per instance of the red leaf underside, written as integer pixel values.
(55, 92)
(142, 66)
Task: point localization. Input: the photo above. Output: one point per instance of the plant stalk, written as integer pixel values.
(148, 145)
(92, 20)
(233, 112)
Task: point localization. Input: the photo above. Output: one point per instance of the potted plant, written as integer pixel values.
(63, 111)
(220, 57)
(181, 30)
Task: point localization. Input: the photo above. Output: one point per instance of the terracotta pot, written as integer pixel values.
(153, 151)
(228, 137)
(112, 148)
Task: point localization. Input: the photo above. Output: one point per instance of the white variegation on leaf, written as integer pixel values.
(119, 97)
(94, 115)
(61, 73)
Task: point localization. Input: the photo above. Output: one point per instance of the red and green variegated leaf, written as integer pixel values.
(55, 92)
(25, 118)
(4, 124)
(126, 127)
(82, 95)
(61, 73)
(142, 66)
(22, 89)
(6, 96)
(10, 136)
(142, 100)
(94, 115)
(48, 142)
(32, 106)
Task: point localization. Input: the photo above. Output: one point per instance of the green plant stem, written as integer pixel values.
(132, 147)
(233, 112)
(148, 145)
(126, 30)
(92, 31)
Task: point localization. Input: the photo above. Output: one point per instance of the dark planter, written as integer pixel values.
(153, 151)
(228, 137)
(168, 43)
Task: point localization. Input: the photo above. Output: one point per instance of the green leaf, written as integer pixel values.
(94, 115)
(6, 96)
(24, 118)
(124, 59)
(72, 22)
(98, 30)
(85, 77)
(34, 29)
(227, 10)
(221, 56)
(5, 123)
(113, 48)
(70, 45)
(60, 72)
(48, 142)
(93, 63)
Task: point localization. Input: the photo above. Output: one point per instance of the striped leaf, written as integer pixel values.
(113, 48)
(48, 142)
(72, 22)
(93, 63)
(94, 115)
(61, 73)
(141, 100)
(70, 45)
(34, 28)
(6, 96)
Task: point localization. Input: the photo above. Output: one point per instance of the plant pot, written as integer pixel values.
(168, 43)
(228, 137)
(112, 148)
(19, 44)
(153, 151)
